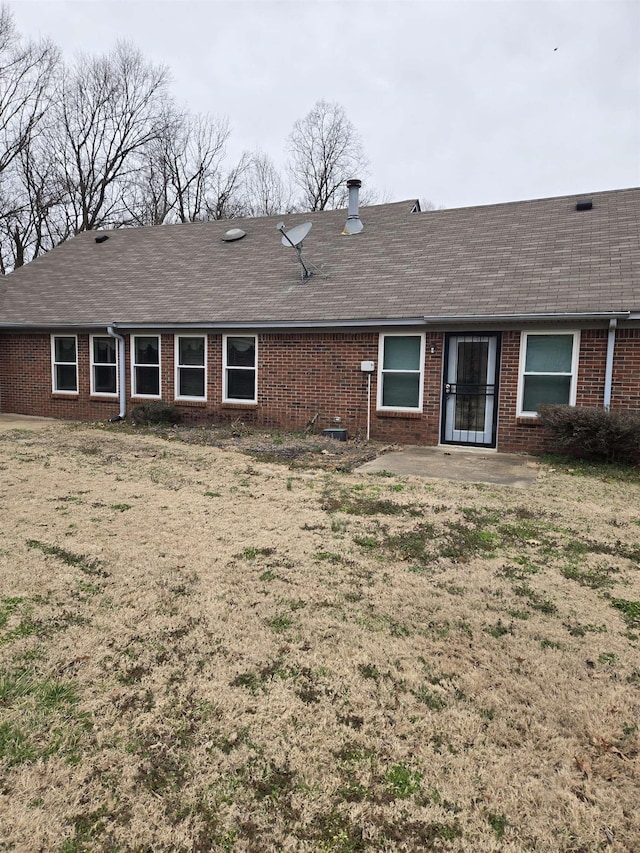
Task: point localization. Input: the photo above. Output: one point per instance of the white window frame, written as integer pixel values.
(225, 367)
(108, 394)
(382, 371)
(55, 363)
(178, 367)
(134, 364)
(524, 336)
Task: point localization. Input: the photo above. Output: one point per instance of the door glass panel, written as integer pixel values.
(470, 412)
(472, 362)
(471, 371)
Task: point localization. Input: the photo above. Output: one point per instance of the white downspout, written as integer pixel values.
(368, 406)
(608, 372)
(122, 381)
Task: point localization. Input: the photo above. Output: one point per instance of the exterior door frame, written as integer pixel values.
(489, 390)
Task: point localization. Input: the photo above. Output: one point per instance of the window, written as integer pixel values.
(401, 360)
(145, 366)
(104, 365)
(548, 368)
(64, 364)
(239, 368)
(191, 369)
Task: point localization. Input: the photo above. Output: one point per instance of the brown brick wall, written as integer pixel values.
(625, 392)
(25, 381)
(525, 434)
(301, 375)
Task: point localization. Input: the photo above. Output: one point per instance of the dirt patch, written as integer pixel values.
(297, 450)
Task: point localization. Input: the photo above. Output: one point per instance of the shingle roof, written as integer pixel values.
(530, 257)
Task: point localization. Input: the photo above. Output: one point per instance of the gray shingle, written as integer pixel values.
(536, 256)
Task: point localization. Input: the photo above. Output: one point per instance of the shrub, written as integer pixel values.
(588, 433)
(155, 412)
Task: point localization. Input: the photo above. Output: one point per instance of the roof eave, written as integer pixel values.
(218, 326)
(369, 322)
(533, 317)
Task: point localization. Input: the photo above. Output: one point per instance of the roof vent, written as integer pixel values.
(102, 239)
(354, 223)
(233, 234)
(585, 204)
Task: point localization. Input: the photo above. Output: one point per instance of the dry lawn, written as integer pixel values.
(201, 651)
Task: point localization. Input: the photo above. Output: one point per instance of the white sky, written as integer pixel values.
(461, 102)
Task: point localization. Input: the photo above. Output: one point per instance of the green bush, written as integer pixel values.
(588, 433)
(155, 412)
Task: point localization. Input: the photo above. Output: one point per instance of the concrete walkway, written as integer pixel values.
(469, 466)
(8, 422)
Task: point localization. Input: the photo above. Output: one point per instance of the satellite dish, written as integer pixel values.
(233, 234)
(296, 235)
(294, 239)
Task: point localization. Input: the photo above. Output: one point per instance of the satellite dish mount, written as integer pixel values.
(294, 238)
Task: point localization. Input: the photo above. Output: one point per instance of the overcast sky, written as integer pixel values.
(462, 102)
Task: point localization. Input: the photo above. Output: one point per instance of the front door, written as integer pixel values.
(469, 395)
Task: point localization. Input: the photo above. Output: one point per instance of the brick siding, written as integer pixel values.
(307, 376)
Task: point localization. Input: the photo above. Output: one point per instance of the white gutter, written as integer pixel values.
(608, 372)
(122, 383)
(371, 322)
(512, 318)
(205, 325)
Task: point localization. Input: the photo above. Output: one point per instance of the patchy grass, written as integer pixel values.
(88, 565)
(630, 610)
(325, 662)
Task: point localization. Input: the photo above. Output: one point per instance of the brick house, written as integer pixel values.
(423, 327)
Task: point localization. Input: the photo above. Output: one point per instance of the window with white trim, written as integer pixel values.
(64, 364)
(104, 365)
(145, 366)
(548, 370)
(239, 365)
(191, 367)
(401, 372)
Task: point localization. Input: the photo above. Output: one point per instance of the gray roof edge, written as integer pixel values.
(282, 324)
(331, 324)
(512, 318)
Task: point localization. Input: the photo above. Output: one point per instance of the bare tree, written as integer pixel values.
(147, 198)
(109, 108)
(226, 198)
(35, 219)
(265, 190)
(325, 150)
(185, 178)
(195, 165)
(26, 72)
